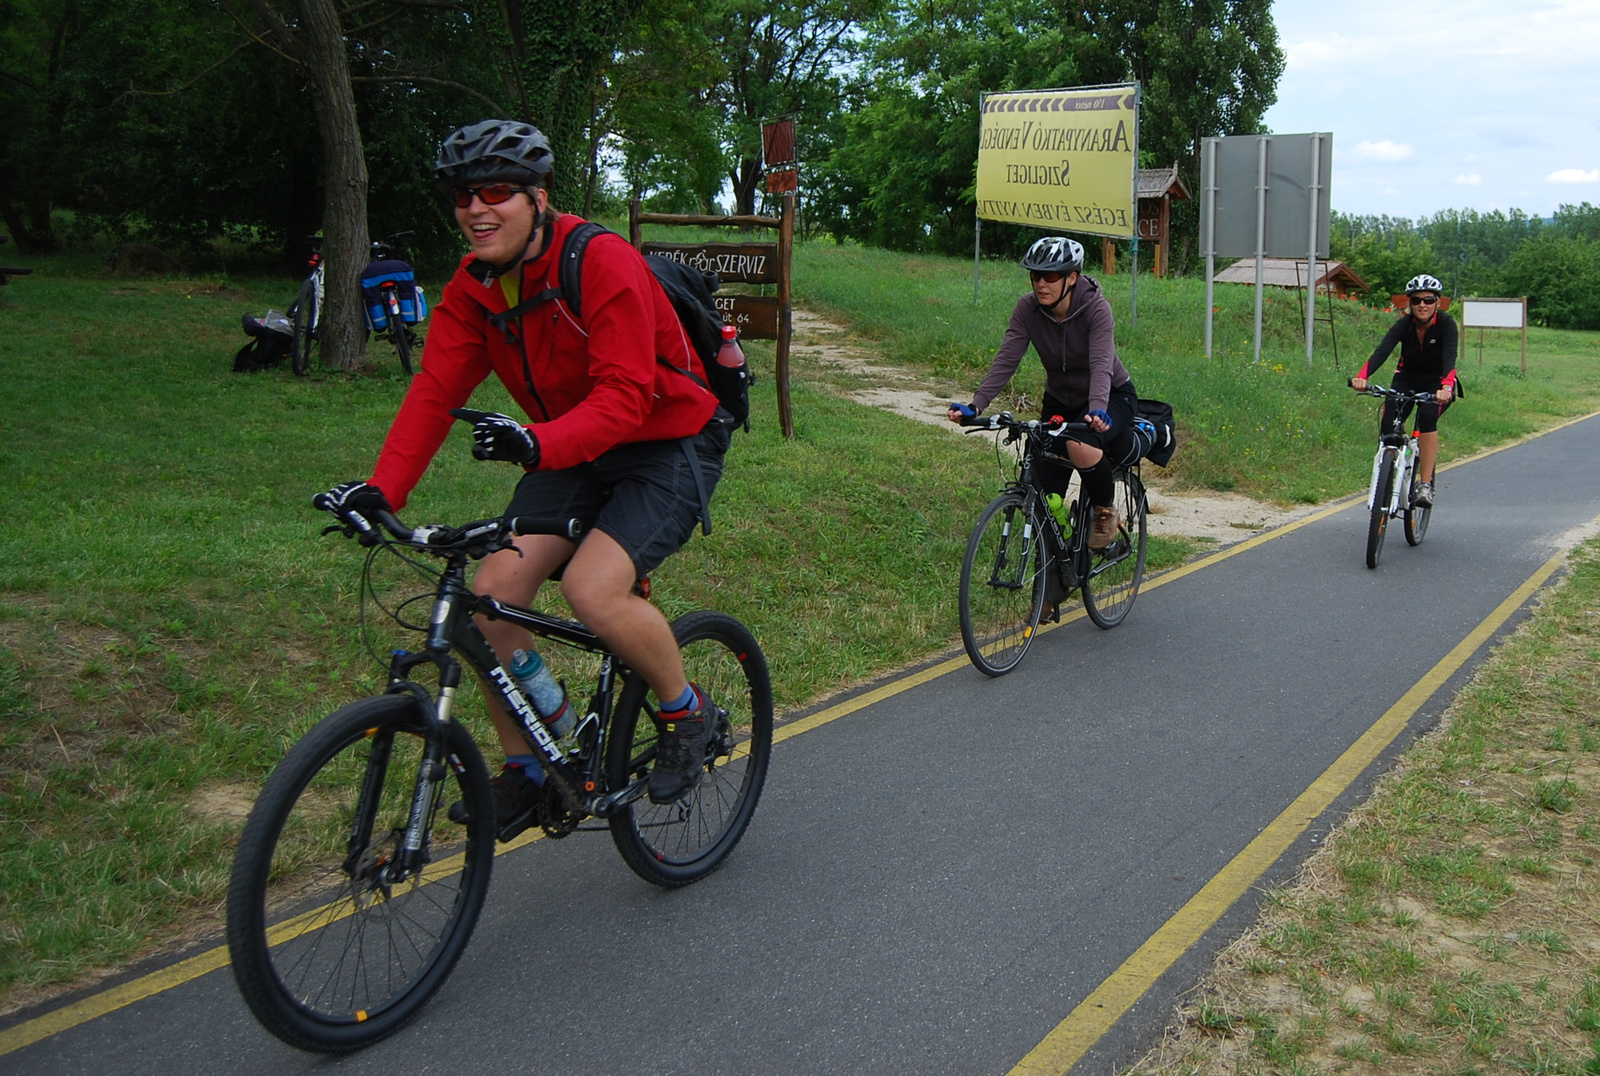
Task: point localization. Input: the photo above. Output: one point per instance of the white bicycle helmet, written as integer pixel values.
(1054, 254)
(1424, 282)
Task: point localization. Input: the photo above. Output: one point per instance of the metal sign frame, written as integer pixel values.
(1299, 169)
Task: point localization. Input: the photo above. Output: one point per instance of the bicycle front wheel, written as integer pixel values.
(673, 844)
(331, 949)
(1379, 521)
(303, 328)
(1116, 571)
(1416, 516)
(1002, 583)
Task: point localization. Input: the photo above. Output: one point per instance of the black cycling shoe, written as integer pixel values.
(681, 749)
(516, 802)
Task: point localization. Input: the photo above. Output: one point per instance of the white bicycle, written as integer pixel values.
(1394, 476)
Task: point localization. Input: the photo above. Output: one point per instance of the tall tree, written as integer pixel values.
(37, 50)
(317, 45)
(549, 57)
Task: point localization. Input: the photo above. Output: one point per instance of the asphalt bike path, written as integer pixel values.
(953, 874)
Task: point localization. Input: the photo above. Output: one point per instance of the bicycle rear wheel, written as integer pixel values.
(1416, 516)
(397, 328)
(1115, 572)
(303, 328)
(1379, 521)
(330, 952)
(673, 844)
(1002, 583)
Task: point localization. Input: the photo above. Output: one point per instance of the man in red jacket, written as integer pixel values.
(614, 415)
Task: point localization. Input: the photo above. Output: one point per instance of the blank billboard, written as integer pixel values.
(1234, 179)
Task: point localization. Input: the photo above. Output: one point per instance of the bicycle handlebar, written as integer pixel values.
(1394, 394)
(476, 539)
(1005, 420)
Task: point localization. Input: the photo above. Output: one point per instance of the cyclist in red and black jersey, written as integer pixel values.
(617, 400)
(1427, 338)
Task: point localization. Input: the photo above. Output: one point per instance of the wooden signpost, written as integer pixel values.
(759, 317)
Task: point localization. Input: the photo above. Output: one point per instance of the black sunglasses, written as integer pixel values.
(490, 194)
(1047, 277)
(1425, 300)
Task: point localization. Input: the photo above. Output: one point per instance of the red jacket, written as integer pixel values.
(588, 385)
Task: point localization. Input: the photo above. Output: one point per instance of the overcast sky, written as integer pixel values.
(1472, 105)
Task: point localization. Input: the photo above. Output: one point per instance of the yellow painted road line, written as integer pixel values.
(107, 1001)
(1096, 1014)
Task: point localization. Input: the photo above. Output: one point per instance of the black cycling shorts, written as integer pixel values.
(643, 494)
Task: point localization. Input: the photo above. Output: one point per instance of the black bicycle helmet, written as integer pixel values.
(504, 151)
(1054, 254)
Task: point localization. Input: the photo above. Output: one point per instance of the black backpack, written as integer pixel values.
(268, 345)
(690, 291)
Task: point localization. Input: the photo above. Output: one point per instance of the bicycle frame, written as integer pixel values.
(1069, 554)
(316, 277)
(452, 630)
(1405, 462)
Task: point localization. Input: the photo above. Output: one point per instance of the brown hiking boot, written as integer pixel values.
(1105, 527)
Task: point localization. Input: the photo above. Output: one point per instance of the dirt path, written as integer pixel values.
(1221, 517)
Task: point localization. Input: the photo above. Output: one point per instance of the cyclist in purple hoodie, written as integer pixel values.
(1068, 321)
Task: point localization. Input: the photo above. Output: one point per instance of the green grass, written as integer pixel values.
(170, 620)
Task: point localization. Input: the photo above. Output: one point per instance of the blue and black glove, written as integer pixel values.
(1101, 415)
(499, 437)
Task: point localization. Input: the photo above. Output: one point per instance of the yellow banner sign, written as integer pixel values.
(1062, 160)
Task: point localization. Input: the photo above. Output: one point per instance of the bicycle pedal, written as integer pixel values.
(515, 825)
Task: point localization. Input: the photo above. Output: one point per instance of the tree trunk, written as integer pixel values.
(343, 331)
(13, 221)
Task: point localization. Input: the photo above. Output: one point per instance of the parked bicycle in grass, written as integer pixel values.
(1030, 549)
(393, 302)
(357, 882)
(1397, 483)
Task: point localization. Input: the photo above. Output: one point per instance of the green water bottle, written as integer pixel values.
(1058, 508)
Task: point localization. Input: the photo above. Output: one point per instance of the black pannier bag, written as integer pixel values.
(1154, 433)
(270, 336)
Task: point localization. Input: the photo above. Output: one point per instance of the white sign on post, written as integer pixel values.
(1491, 313)
(1484, 314)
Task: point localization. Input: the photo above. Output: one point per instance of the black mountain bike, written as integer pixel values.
(353, 894)
(1020, 559)
(1394, 476)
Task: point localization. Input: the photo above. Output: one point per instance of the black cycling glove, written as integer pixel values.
(358, 497)
(499, 437)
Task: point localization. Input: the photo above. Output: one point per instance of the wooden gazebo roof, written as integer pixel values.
(1156, 182)
(1291, 273)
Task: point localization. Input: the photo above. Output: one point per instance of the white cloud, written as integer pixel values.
(1383, 151)
(1574, 175)
(1474, 180)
